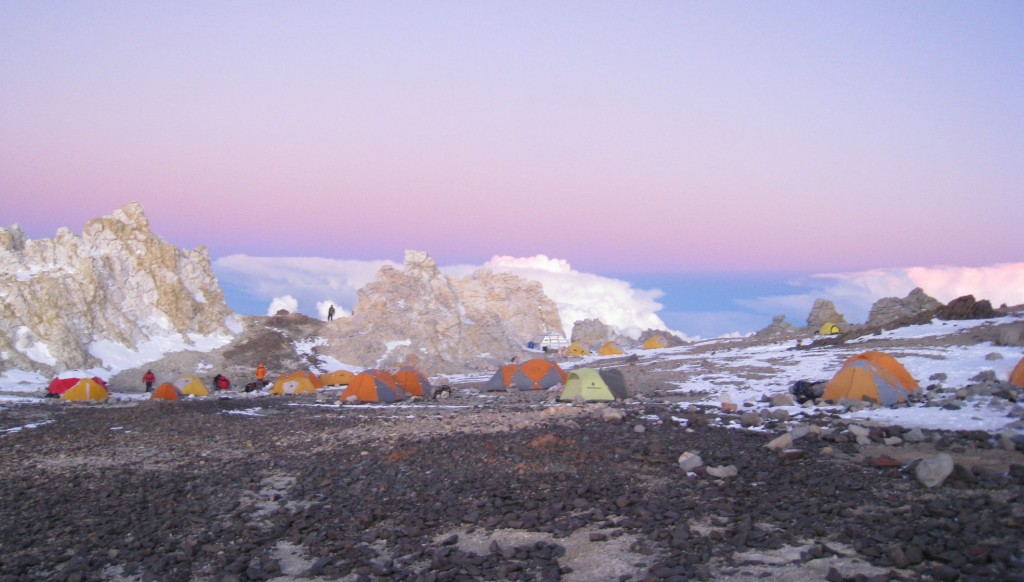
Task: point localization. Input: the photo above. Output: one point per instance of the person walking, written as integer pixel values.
(330, 313)
(149, 378)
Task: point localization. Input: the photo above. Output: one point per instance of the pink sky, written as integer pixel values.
(653, 137)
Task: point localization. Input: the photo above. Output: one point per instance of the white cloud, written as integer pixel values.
(288, 303)
(588, 296)
(854, 293)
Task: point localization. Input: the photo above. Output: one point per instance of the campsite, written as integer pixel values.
(689, 462)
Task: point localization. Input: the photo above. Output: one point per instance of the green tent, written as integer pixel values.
(592, 385)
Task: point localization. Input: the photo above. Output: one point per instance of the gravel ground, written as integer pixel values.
(471, 488)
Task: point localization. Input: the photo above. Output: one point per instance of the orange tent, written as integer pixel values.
(502, 379)
(538, 374)
(1017, 376)
(85, 389)
(337, 378)
(413, 382)
(888, 362)
(166, 392)
(372, 386)
(865, 380)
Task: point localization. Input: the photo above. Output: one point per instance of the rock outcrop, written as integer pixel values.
(824, 311)
(778, 326)
(890, 309)
(452, 324)
(117, 285)
(670, 339)
(966, 307)
(592, 333)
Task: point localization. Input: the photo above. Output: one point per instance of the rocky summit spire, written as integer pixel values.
(116, 284)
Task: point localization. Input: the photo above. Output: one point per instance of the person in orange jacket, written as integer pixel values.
(149, 378)
(261, 372)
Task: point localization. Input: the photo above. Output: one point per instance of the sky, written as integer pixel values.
(707, 153)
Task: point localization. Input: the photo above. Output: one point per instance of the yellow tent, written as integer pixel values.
(575, 349)
(85, 389)
(191, 385)
(609, 349)
(829, 328)
(654, 343)
(337, 378)
(295, 383)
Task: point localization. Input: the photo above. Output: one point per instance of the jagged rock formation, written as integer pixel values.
(592, 333)
(890, 309)
(966, 307)
(778, 326)
(117, 282)
(452, 324)
(824, 311)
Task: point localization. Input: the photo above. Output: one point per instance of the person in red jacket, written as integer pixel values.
(221, 382)
(149, 378)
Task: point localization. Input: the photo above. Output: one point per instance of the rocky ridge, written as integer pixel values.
(450, 324)
(117, 282)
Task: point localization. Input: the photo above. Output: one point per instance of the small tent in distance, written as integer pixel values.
(191, 386)
(654, 343)
(413, 382)
(372, 386)
(337, 378)
(575, 349)
(609, 349)
(829, 328)
(296, 383)
(85, 389)
(167, 392)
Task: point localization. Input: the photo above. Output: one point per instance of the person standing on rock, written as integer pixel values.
(261, 373)
(149, 378)
(330, 313)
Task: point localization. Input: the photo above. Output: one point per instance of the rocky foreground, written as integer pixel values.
(504, 488)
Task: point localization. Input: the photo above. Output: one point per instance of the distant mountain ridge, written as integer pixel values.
(117, 282)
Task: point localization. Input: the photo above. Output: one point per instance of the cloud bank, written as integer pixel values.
(311, 285)
(855, 292)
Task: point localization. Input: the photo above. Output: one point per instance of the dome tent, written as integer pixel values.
(865, 380)
(297, 383)
(609, 349)
(413, 382)
(337, 378)
(889, 363)
(553, 342)
(191, 386)
(85, 389)
(538, 374)
(829, 328)
(372, 386)
(575, 349)
(593, 385)
(167, 392)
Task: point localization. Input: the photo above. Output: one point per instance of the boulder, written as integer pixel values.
(966, 307)
(931, 472)
(778, 326)
(723, 472)
(889, 309)
(592, 333)
(689, 461)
